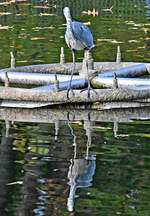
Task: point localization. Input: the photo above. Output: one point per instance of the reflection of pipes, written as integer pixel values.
(7, 128)
(118, 57)
(57, 126)
(88, 127)
(115, 129)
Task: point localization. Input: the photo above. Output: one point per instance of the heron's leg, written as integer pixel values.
(89, 84)
(72, 72)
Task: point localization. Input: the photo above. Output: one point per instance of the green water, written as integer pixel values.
(37, 35)
(36, 163)
(106, 164)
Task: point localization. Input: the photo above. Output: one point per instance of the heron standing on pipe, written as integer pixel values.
(78, 37)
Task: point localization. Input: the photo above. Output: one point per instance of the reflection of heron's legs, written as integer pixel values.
(89, 141)
(87, 151)
(74, 137)
(89, 84)
(115, 129)
(72, 183)
(72, 72)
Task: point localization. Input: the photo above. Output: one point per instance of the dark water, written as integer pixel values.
(98, 164)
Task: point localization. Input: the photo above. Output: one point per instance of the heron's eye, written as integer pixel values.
(81, 27)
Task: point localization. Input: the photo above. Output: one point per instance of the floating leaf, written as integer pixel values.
(4, 27)
(47, 14)
(38, 60)
(43, 7)
(93, 12)
(133, 28)
(138, 25)
(142, 47)
(24, 4)
(133, 41)
(41, 28)
(22, 61)
(147, 24)
(4, 13)
(38, 38)
(108, 9)
(110, 40)
(17, 47)
(131, 50)
(130, 22)
(21, 0)
(8, 3)
(21, 14)
(4, 3)
(87, 23)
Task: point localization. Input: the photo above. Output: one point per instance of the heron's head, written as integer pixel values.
(66, 12)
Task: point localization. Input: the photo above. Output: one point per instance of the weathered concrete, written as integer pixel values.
(74, 113)
(67, 67)
(107, 82)
(132, 71)
(98, 95)
(34, 78)
(54, 94)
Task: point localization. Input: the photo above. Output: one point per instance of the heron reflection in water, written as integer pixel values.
(78, 37)
(81, 170)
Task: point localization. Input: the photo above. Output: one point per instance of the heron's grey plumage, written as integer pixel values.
(78, 36)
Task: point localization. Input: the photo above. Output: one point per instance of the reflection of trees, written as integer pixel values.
(45, 185)
(7, 170)
(29, 193)
(121, 171)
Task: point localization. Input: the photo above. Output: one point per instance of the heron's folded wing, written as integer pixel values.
(82, 33)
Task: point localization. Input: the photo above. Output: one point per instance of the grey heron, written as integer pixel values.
(78, 37)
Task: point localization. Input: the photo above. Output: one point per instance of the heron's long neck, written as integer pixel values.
(69, 21)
